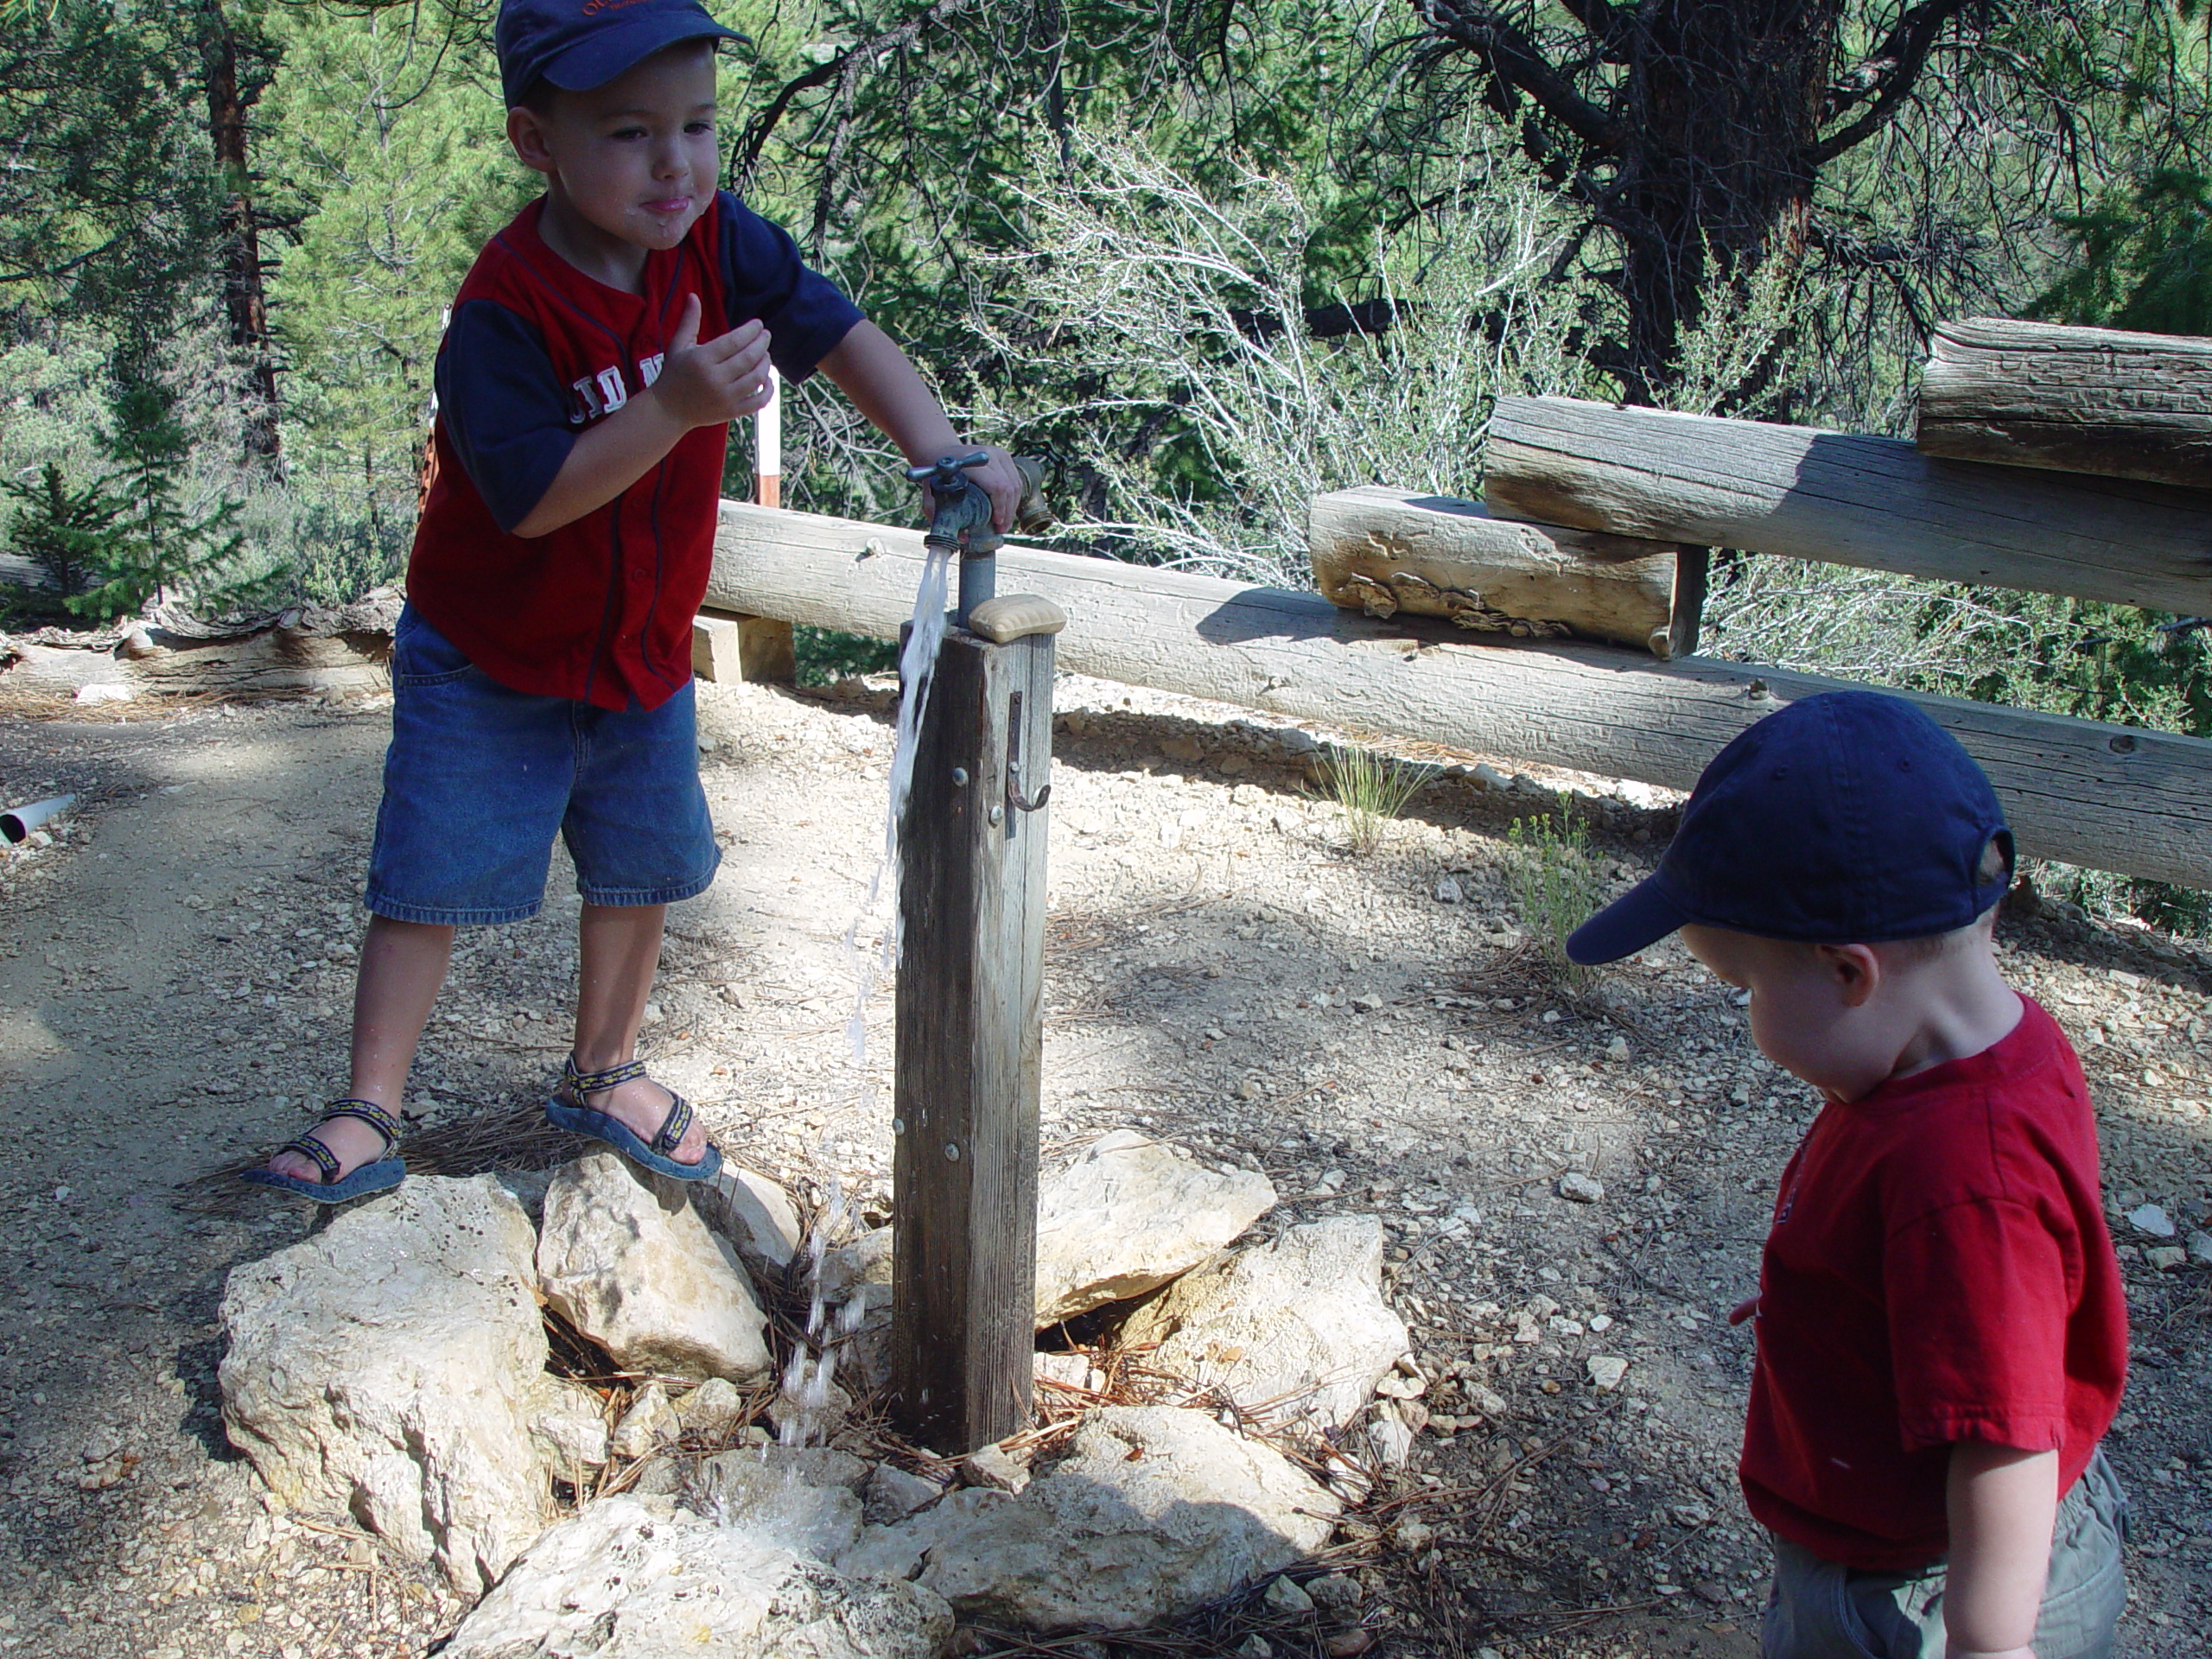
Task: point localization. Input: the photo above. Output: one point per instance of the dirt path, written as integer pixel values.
(173, 972)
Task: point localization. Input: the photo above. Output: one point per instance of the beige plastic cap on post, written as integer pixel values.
(1015, 616)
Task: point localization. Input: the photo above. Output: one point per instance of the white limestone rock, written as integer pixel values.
(1296, 1328)
(862, 1268)
(754, 1213)
(2152, 1219)
(860, 1272)
(649, 1424)
(620, 1581)
(995, 1467)
(896, 1550)
(804, 1504)
(390, 1370)
(1155, 1511)
(1606, 1371)
(1390, 1438)
(711, 1411)
(891, 1494)
(629, 1263)
(1129, 1214)
(570, 1426)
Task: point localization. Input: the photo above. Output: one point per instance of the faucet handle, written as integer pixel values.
(947, 471)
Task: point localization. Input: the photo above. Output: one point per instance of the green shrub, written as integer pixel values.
(63, 531)
(1556, 886)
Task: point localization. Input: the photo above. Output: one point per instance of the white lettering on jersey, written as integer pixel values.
(612, 389)
(649, 368)
(587, 400)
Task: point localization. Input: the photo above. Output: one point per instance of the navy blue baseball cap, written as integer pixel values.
(581, 44)
(1846, 818)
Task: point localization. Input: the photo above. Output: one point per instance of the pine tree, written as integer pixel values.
(155, 543)
(65, 531)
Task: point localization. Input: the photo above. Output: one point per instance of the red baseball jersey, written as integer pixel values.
(600, 609)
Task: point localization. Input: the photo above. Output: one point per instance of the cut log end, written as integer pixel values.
(1383, 551)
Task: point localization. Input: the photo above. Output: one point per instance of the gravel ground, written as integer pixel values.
(175, 967)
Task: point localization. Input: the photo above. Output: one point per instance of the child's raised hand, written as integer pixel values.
(703, 383)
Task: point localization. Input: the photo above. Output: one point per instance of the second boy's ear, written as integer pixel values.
(1855, 970)
(526, 133)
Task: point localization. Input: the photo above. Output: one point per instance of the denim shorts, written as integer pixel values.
(1819, 1609)
(479, 779)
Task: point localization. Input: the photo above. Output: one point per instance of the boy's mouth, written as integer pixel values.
(670, 205)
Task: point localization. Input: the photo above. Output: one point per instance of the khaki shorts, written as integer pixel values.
(1822, 1610)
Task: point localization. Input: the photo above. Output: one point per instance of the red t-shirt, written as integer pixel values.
(1938, 1270)
(534, 352)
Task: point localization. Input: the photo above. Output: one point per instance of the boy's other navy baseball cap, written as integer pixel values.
(581, 44)
(1847, 818)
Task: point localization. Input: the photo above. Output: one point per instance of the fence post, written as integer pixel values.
(970, 982)
(768, 446)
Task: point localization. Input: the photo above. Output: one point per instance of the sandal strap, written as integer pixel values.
(583, 1083)
(318, 1154)
(370, 1113)
(672, 1127)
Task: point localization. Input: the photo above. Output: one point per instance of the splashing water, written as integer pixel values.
(807, 1377)
(917, 674)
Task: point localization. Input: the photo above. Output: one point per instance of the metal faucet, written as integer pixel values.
(961, 521)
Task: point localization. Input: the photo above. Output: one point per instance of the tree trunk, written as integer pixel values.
(244, 298)
(1718, 125)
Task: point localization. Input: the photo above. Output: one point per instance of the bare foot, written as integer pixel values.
(350, 1141)
(641, 1105)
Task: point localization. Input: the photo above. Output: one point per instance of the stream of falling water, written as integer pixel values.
(807, 1378)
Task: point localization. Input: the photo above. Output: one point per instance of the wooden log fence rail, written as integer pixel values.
(2078, 400)
(1879, 504)
(1383, 550)
(2106, 797)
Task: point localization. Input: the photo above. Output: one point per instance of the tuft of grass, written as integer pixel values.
(1370, 790)
(1555, 886)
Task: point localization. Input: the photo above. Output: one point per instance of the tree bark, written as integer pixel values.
(244, 296)
(1719, 119)
(1694, 130)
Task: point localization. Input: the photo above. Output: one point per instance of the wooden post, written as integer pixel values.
(971, 905)
(728, 646)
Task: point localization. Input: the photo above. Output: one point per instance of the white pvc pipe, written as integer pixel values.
(19, 823)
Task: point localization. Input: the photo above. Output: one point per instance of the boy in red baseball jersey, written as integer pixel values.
(1942, 1337)
(541, 670)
